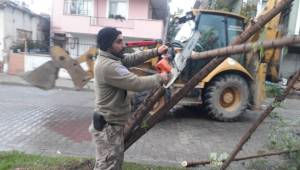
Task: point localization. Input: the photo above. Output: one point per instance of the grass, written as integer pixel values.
(22, 161)
(273, 90)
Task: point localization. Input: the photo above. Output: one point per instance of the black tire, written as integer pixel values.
(226, 97)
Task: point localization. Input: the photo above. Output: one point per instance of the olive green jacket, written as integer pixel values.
(112, 80)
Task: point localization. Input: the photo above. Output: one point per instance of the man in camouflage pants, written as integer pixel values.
(112, 80)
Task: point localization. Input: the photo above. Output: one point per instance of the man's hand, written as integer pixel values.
(194, 54)
(165, 77)
(162, 49)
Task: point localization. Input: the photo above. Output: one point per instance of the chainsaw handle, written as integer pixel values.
(172, 49)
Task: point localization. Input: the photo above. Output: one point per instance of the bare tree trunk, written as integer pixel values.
(196, 163)
(137, 117)
(243, 48)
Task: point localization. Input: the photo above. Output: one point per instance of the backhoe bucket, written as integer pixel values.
(43, 77)
(62, 59)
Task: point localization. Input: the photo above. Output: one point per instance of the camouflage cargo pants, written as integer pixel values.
(109, 147)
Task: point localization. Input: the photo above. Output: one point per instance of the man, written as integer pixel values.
(112, 80)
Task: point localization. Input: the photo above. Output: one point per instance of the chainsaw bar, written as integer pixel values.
(180, 60)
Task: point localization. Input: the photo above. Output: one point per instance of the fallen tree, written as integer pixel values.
(139, 126)
(205, 162)
(151, 99)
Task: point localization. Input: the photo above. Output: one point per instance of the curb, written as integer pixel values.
(292, 95)
(56, 87)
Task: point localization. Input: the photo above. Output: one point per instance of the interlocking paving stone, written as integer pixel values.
(56, 121)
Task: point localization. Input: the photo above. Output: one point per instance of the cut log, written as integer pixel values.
(243, 48)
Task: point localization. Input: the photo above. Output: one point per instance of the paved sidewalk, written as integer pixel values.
(55, 122)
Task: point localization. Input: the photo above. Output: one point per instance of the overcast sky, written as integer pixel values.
(44, 6)
(40, 6)
(186, 5)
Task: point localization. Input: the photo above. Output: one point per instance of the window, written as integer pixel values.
(78, 7)
(235, 27)
(213, 35)
(23, 34)
(118, 9)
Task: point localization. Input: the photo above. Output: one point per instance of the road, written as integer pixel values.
(56, 122)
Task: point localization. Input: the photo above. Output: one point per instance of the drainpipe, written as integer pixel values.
(97, 8)
(167, 21)
(6, 52)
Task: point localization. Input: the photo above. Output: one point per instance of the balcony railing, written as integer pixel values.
(120, 23)
(140, 28)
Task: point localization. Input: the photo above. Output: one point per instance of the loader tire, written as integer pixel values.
(226, 97)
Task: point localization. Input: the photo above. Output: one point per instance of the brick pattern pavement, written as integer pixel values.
(49, 122)
(56, 122)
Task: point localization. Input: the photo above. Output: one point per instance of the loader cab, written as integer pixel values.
(217, 30)
(225, 91)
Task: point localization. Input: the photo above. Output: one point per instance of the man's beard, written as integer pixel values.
(119, 54)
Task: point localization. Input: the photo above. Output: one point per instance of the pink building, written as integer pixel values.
(82, 19)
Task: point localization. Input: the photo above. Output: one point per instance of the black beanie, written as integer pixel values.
(106, 37)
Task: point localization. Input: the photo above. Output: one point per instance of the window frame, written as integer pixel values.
(89, 12)
(108, 7)
(224, 26)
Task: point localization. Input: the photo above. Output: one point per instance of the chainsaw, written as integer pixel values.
(174, 62)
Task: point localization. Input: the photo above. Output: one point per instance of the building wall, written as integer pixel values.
(150, 11)
(43, 29)
(141, 9)
(15, 19)
(138, 9)
(35, 29)
(1, 39)
(151, 29)
(12, 19)
(16, 63)
(100, 8)
(57, 13)
(138, 18)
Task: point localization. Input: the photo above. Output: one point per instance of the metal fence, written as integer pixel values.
(30, 46)
(75, 48)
